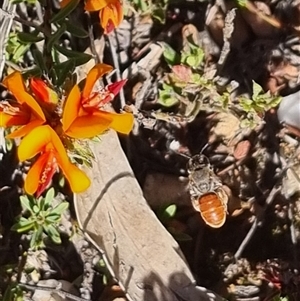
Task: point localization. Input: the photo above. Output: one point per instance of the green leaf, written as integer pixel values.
(26, 37)
(39, 60)
(55, 37)
(59, 209)
(167, 101)
(191, 61)
(34, 72)
(36, 239)
(62, 71)
(242, 3)
(9, 293)
(52, 219)
(64, 12)
(79, 57)
(257, 89)
(167, 97)
(76, 31)
(35, 208)
(23, 225)
(170, 211)
(19, 52)
(53, 234)
(170, 55)
(42, 204)
(159, 13)
(26, 203)
(49, 196)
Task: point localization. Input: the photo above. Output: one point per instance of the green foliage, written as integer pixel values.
(241, 3)
(191, 56)
(155, 8)
(194, 56)
(167, 96)
(64, 12)
(53, 39)
(260, 101)
(186, 85)
(166, 215)
(256, 107)
(279, 298)
(32, 37)
(13, 293)
(42, 219)
(102, 269)
(170, 55)
(15, 48)
(29, 2)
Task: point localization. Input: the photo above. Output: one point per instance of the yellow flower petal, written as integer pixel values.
(111, 16)
(11, 120)
(24, 130)
(34, 142)
(94, 5)
(121, 123)
(72, 107)
(94, 74)
(60, 151)
(88, 126)
(77, 179)
(14, 83)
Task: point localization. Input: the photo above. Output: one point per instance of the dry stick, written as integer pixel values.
(160, 37)
(259, 218)
(6, 20)
(113, 52)
(290, 210)
(92, 39)
(54, 290)
(257, 222)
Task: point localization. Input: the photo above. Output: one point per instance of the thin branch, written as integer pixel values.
(92, 39)
(53, 290)
(6, 19)
(257, 222)
(117, 67)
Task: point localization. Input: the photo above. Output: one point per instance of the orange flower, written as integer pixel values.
(110, 12)
(43, 140)
(83, 116)
(26, 111)
(111, 16)
(42, 92)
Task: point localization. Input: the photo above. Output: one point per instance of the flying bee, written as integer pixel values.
(207, 195)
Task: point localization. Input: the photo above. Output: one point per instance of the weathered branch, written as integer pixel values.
(142, 256)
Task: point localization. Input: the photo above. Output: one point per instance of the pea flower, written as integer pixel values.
(43, 140)
(42, 92)
(26, 112)
(110, 12)
(83, 114)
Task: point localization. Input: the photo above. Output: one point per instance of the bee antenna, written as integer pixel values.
(174, 147)
(203, 148)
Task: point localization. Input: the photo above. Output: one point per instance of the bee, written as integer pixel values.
(207, 195)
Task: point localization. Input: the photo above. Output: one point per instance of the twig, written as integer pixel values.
(257, 222)
(6, 13)
(269, 200)
(117, 67)
(6, 19)
(30, 24)
(54, 290)
(92, 39)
